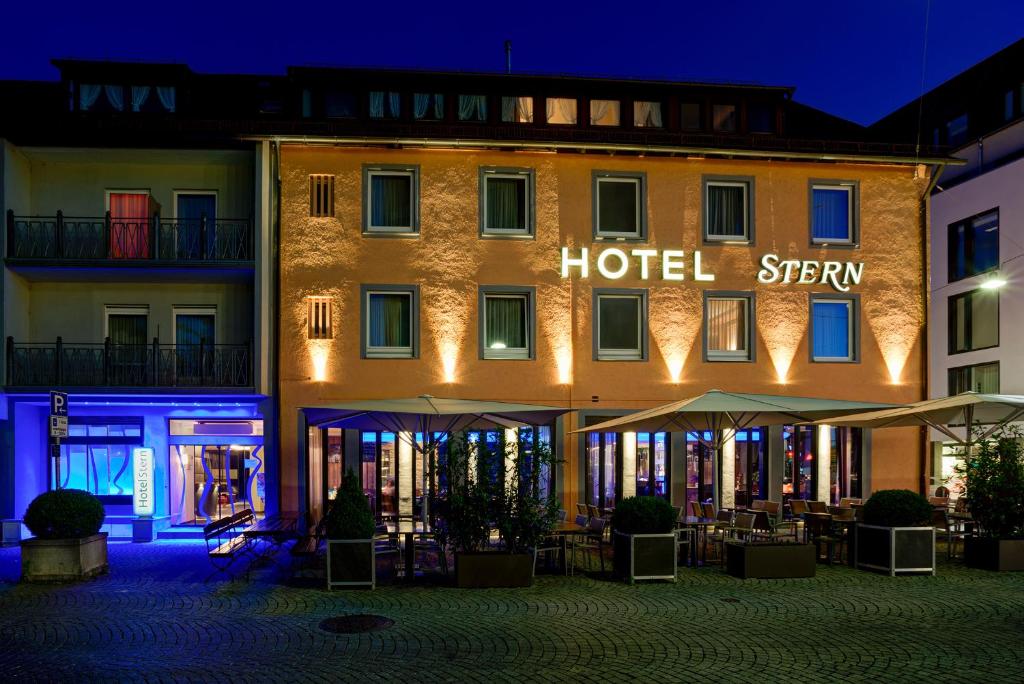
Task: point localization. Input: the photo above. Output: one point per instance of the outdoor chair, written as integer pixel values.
(592, 511)
(385, 544)
(709, 510)
(696, 510)
(563, 515)
(945, 529)
(581, 509)
(592, 540)
(942, 490)
(817, 506)
(818, 530)
(426, 543)
(757, 505)
(684, 535)
(715, 536)
(939, 501)
(777, 529)
(850, 503)
(552, 545)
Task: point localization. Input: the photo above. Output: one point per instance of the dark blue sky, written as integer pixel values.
(857, 59)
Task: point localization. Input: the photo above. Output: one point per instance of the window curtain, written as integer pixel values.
(87, 96)
(129, 225)
(472, 108)
(619, 323)
(727, 325)
(390, 206)
(647, 114)
(726, 211)
(986, 378)
(389, 320)
(377, 104)
(394, 105)
(506, 322)
(506, 203)
(598, 110)
(524, 109)
(167, 97)
(831, 330)
(139, 95)
(428, 106)
(831, 214)
(561, 110)
(115, 95)
(126, 329)
(194, 329)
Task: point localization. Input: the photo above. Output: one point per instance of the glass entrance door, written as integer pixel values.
(652, 464)
(223, 480)
(700, 468)
(603, 468)
(379, 472)
(750, 471)
(798, 475)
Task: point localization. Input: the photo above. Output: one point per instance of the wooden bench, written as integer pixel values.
(308, 545)
(225, 542)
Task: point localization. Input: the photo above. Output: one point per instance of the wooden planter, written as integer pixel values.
(994, 554)
(351, 563)
(489, 569)
(63, 560)
(896, 549)
(770, 561)
(644, 556)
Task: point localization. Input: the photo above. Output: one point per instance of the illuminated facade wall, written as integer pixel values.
(449, 261)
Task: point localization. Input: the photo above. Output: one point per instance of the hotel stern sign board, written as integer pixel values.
(613, 263)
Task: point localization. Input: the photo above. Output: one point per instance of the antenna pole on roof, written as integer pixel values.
(508, 56)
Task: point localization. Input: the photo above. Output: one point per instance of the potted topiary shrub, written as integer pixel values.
(896, 534)
(994, 488)
(68, 544)
(349, 527)
(644, 539)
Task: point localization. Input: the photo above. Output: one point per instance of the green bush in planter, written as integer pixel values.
(644, 515)
(349, 516)
(64, 514)
(897, 508)
(994, 484)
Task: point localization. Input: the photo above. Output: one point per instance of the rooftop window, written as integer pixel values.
(428, 106)
(647, 114)
(604, 112)
(516, 109)
(561, 110)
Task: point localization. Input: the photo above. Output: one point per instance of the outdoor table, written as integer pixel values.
(848, 525)
(409, 529)
(567, 530)
(701, 525)
(274, 530)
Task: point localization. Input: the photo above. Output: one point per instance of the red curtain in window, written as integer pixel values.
(129, 225)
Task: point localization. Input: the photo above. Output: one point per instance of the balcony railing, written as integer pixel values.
(103, 239)
(105, 364)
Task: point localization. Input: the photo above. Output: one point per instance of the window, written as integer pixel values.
(390, 321)
(974, 245)
(321, 195)
(506, 202)
(194, 340)
(100, 98)
(516, 109)
(472, 108)
(604, 112)
(391, 199)
(620, 325)
(620, 205)
(834, 328)
(130, 213)
(690, 112)
(603, 468)
(127, 329)
(727, 330)
(647, 114)
(96, 456)
(428, 106)
(1008, 105)
(339, 105)
(973, 321)
(506, 322)
(956, 130)
(761, 118)
(834, 212)
(982, 377)
(385, 104)
(561, 110)
(727, 209)
(723, 118)
(318, 318)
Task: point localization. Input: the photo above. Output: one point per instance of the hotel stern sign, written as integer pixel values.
(614, 263)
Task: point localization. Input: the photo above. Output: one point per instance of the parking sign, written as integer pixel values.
(58, 403)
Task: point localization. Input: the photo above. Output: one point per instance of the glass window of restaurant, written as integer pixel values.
(845, 463)
(799, 472)
(603, 468)
(378, 472)
(700, 468)
(487, 449)
(653, 464)
(542, 477)
(750, 471)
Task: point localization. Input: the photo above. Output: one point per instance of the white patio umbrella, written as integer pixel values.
(968, 410)
(719, 412)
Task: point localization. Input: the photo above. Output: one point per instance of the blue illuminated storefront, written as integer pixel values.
(209, 459)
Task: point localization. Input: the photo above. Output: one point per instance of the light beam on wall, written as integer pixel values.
(318, 359)
(449, 356)
(675, 367)
(782, 320)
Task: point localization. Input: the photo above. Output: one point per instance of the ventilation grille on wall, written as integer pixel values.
(321, 195)
(318, 317)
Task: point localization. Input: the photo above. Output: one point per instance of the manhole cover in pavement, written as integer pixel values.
(355, 624)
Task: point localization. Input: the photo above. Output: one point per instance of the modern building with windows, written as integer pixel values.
(604, 245)
(135, 278)
(977, 232)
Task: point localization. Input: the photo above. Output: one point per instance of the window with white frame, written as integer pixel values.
(506, 322)
(391, 199)
(506, 198)
(390, 326)
(727, 210)
(727, 330)
(620, 325)
(833, 212)
(619, 200)
(833, 329)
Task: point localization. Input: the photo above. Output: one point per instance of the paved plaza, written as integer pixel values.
(154, 618)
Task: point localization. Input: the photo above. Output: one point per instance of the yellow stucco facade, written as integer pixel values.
(449, 261)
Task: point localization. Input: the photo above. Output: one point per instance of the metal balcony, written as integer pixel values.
(106, 241)
(105, 364)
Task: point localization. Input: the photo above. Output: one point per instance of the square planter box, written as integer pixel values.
(491, 569)
(770, 561)
(644, 556)
(351, 563)
(896, 549)
(11, 532)
(994, 554)
(63, 560)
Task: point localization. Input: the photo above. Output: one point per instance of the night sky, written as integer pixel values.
(859, 60)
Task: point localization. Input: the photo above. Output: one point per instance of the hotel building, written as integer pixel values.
(604, 245)
(977, 232)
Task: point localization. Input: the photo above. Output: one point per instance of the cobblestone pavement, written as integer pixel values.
(154, 618)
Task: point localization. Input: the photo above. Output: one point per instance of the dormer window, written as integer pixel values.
(385, 104)
(647, 114)
(134, 98)
(516, 109)
(561, 110)
(473, 108)
(604, 112)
